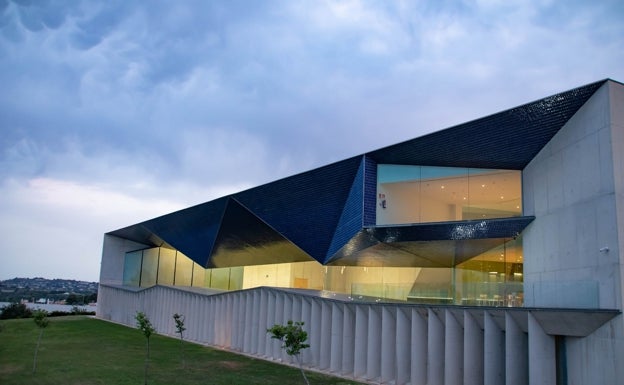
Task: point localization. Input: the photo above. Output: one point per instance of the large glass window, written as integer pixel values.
(492, 278)
(419, 194)
(132, 268)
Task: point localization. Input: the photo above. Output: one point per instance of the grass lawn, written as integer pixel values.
(78, 350)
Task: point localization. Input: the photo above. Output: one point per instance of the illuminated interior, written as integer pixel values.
(467, 271)
(493, 278)
(419, 194)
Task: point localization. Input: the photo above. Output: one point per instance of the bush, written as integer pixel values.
(15, 310)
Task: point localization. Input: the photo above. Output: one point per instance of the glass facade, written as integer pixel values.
(419, 194)
(467, 272)
(493, 278)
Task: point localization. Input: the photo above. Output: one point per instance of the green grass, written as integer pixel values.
(78, 350)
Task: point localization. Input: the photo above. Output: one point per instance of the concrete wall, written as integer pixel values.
(569, 187)
(575, 188)
(113, 253)
(377, 343)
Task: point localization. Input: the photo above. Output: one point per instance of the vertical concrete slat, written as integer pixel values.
(435, 349)
(336, 344)
(516, 347)
(361, 340)
(473, 351)
(306, 317)
(325, 335)
(271, 344)
(238, 322)
(373, 361)
(255, 319)
(262, 322)
(315, 334)
(542, 362)
(403, 348)
(388, 343)
(419, 344)
(210, 321)
(453, 350)
(493, 352)
(348, 340)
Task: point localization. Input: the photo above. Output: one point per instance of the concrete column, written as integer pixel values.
(493, 352)
(402, 342)
(388, 343)
(435, 350)
(335, 361)
(418, 374)
(542, 360)
(373, 361)
(361, 340)
(453, 350)
(473, 351)
(348, 340)
(516, 362)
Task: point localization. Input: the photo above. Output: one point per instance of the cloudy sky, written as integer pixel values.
(114, 112)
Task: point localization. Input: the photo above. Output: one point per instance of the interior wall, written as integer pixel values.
(403, 206)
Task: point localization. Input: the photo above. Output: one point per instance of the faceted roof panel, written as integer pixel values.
(322, 213)
(305, 208)
(244, 239)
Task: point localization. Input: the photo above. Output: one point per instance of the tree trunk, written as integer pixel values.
(182, 351)
(146, 363)
(301, 369)
(37, 350)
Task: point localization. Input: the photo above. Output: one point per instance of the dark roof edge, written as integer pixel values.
(600, 82)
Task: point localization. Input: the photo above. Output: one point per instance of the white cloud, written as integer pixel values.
(114, 112)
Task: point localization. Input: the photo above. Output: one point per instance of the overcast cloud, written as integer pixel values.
(114, 112)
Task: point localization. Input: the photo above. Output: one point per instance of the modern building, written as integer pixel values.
(491, 252)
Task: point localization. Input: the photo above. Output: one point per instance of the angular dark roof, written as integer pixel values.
(317, 213)
(506, 140)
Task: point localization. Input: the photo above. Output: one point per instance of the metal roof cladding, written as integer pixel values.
(318, 212)
(505, 140)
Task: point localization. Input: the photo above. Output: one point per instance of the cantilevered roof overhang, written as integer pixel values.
(319, 214)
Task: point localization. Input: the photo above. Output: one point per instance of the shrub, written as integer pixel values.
(15, 310)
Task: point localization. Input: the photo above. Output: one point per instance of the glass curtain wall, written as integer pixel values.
(419, 194)
(493, 278)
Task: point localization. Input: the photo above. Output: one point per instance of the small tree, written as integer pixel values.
(294, 337)
(144, 324)
(42, 321)
(179, 324)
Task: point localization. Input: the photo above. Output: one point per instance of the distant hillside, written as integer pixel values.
(32, 289)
